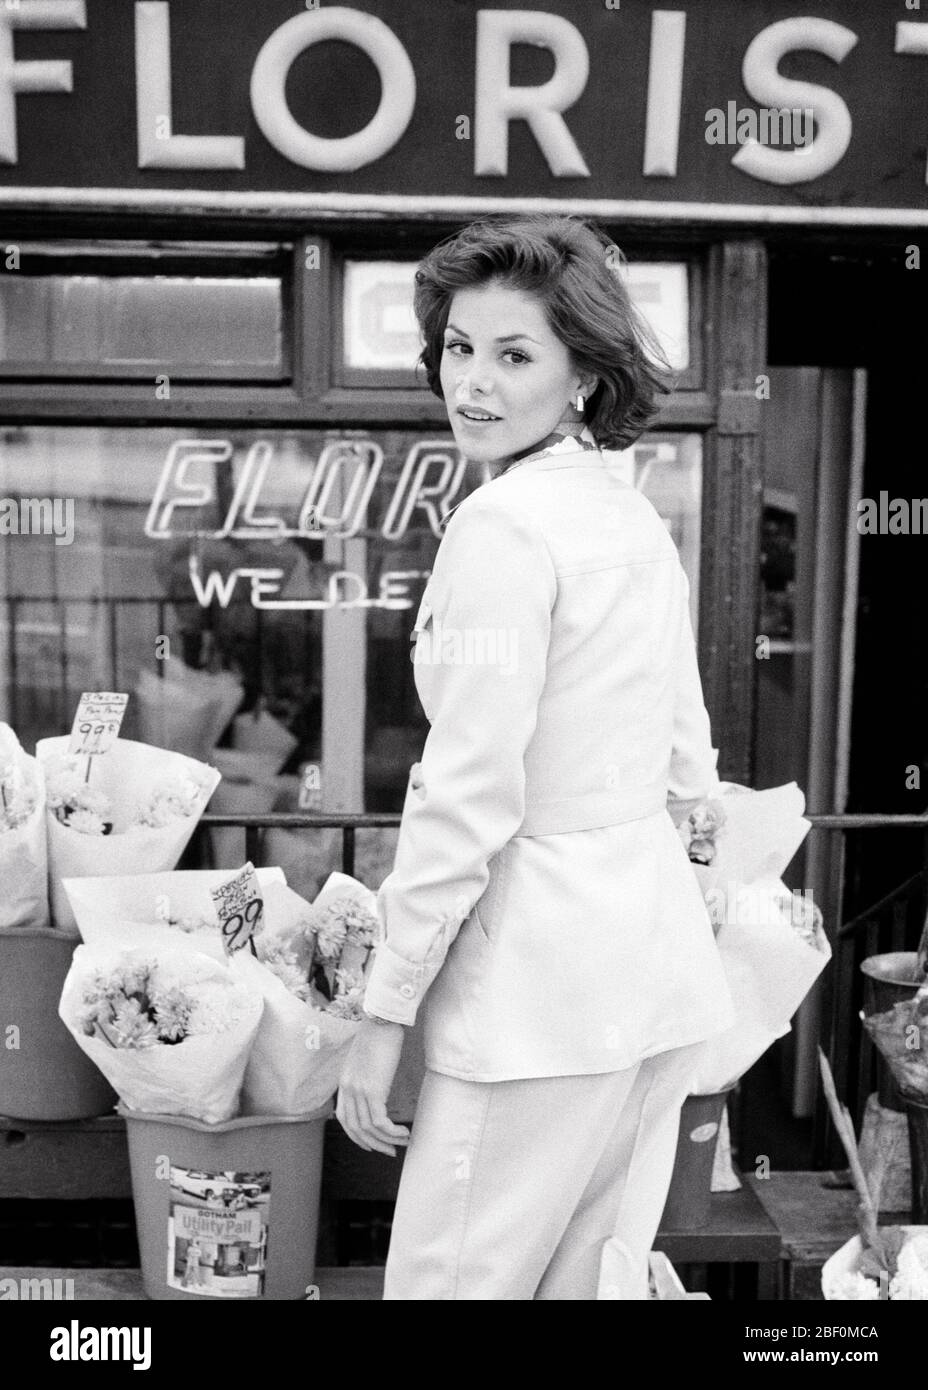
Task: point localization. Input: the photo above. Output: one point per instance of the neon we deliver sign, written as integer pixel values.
(438, 99)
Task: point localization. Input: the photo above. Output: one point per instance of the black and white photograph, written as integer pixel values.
(462, 718)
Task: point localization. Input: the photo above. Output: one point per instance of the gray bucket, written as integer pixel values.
(227, 1211)
(44, 1075)
(688, 1205)
(889, 979)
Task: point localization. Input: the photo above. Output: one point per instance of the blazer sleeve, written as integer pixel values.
(693, 764)
(493, 575)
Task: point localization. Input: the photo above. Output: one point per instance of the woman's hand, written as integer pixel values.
(365, 1085)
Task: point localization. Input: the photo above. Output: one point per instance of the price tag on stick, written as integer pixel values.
(241, 910)
(97, 722)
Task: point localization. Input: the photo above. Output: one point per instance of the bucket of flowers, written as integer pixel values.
(773, 948)
(239, 1140)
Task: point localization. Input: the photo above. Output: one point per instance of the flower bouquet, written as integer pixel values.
(311, 976)
(172, 1035)
(880, 1262)
(135, 810)
(23, 850)
(185, 709)
(772, 942)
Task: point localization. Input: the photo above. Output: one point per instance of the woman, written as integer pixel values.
(540, 892)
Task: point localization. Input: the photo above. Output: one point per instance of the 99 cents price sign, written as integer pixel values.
(97, 722)
(241, 910)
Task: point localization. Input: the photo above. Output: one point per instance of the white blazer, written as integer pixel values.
(541, 901)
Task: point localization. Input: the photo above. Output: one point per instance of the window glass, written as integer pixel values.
(380, 331)
(168, 322)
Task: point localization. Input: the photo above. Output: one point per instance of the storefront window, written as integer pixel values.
(295, 559)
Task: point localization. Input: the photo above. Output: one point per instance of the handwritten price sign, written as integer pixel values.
(241, 910)
(97, 722)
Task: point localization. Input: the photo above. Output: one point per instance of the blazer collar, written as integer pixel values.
(568, 452)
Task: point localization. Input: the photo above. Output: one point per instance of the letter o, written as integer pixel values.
(269, 102)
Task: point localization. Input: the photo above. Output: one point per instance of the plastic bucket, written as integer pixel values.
(688, 1205)
(228, 1210)
(44, 1075)
(889, 979)
(917, 1116)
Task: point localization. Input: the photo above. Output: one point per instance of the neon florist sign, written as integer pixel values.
(335, 504)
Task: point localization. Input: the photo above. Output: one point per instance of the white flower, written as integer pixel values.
(174, 799)
(851, 1285)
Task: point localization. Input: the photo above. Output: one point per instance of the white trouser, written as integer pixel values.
(510, 1189)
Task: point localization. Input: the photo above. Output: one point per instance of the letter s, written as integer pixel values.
(766, 86)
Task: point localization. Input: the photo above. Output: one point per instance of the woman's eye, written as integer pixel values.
(515, 353)
(455, 343)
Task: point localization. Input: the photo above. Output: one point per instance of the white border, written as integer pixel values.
(406, 205)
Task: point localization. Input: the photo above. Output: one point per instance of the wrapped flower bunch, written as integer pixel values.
(771, 940)
(311, 974)
(172, 1033)
(135, 808)
(342, 930)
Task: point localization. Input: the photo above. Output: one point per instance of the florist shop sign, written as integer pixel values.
(737, 105)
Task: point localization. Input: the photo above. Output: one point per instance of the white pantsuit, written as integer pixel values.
(541, 903)
(510, 1188)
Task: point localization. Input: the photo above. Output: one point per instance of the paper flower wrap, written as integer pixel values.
(173, 910)
(772, 944)
(201, 1075)
(23, 845)
(843, 1279)
(300, 1050)
(129, 778)
(186, 710)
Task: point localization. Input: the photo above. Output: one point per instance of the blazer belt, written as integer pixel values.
(593, 810)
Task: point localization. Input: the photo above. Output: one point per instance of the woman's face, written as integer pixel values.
(507, 378)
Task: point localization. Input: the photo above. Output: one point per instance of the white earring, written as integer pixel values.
(580, 402)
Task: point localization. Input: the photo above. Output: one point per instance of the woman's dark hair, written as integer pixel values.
(575, 269)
